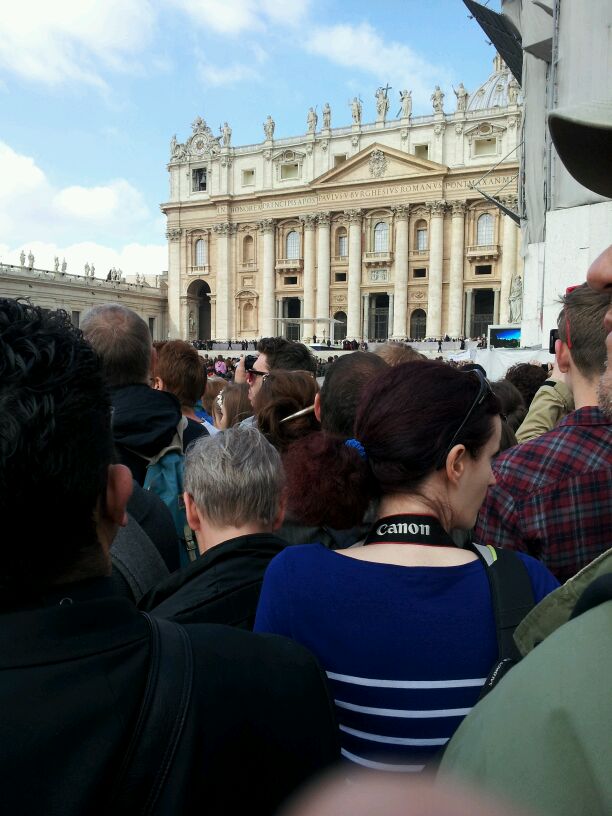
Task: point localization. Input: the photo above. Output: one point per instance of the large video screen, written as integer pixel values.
(504, 337)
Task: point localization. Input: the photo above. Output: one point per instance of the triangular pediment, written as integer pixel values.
(379, 163)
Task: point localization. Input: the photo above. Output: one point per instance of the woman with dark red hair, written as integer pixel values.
(403, 625)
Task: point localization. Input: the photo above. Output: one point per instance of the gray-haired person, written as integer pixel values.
(234, 498)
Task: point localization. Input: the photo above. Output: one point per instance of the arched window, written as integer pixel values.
(421, 236)
(342, 240)
(247, 248)
(200, 252)
(484, 230)
(381, 237)
(292, 245)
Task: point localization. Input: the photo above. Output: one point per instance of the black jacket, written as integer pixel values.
(73, 671)
(222, 586)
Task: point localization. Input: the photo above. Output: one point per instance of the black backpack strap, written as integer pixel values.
(512, 598)
(160, 724)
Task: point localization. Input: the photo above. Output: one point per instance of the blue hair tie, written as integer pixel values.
(356, 445)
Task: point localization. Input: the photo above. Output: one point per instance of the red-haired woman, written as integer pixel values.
(404, 625)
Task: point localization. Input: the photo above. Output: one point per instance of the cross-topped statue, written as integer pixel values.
(382, 103)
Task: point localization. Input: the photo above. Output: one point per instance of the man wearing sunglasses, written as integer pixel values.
(273, 353)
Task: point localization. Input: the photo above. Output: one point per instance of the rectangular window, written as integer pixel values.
(290, 281)
(339, 159)
(198, 180)
(421, 151)
(152, 327)
(342, 246)
(340, 277)
(74, 319)
(419, 273)
(421, 236)
(483, 269)
(289, 171)
(485, 147)
(248, 178)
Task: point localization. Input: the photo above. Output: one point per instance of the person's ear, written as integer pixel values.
(455, 464)
(153, 360)
(191, 511)
(317, 406)
(563, 355)
(282, 509)
(158, 383)
(119, 486)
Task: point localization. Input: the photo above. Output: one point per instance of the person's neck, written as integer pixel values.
(212, 536)
(187, 411)
(584, 391)
(410, 504)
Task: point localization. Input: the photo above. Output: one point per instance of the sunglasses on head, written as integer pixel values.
(484, 391)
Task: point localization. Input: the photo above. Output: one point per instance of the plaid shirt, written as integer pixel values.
(553, 497)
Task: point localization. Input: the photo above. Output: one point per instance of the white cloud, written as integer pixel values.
(65, 40)
(231, 17)
(227, 74)
(34, 215)
(361, 47)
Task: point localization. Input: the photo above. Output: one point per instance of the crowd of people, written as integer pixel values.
(222, 581)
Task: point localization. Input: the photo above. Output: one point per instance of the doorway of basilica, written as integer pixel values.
(199, 291)
(378, 321)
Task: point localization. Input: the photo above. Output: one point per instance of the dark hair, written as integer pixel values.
(527, 377)
(409, 415)
(55, 449)
(122, 341)
(583, 314)
(282, 393)
(180, 368)
(342, 388)
(286, 354)
(511, 403)
(236, 404)
(214, 385)
(394, 353)
(406, 419)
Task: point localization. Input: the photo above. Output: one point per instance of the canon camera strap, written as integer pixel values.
(409, 529)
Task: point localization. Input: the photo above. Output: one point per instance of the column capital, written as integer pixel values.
(266, 225)
(510, 201)
(324, 218)
(458, 207)
(222, 229)
(309, 220)
(401, 211)
(437, 207)
(174, 234)
(353, 216)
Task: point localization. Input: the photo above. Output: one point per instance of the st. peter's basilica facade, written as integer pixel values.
(371, 230)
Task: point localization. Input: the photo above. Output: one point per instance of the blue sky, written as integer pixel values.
(91, 92)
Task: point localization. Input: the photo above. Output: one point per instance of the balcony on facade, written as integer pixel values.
(340, 259)
(289, 264)
(419, 254)
(378, 258)
(483, 251)
(248, 266)
(198, 270)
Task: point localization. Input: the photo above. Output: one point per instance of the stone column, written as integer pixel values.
(391, 312)
(366, 316)
(468, 312)
(310, 223)
(455, 298)
(174, 283)
(496, 305)
(508, 260)
(354, 273)
(436, 249)
(323, 273)
(268, 327)
(224, 300)
(401, 272)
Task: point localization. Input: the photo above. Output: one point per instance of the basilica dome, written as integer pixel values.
(500, 89)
